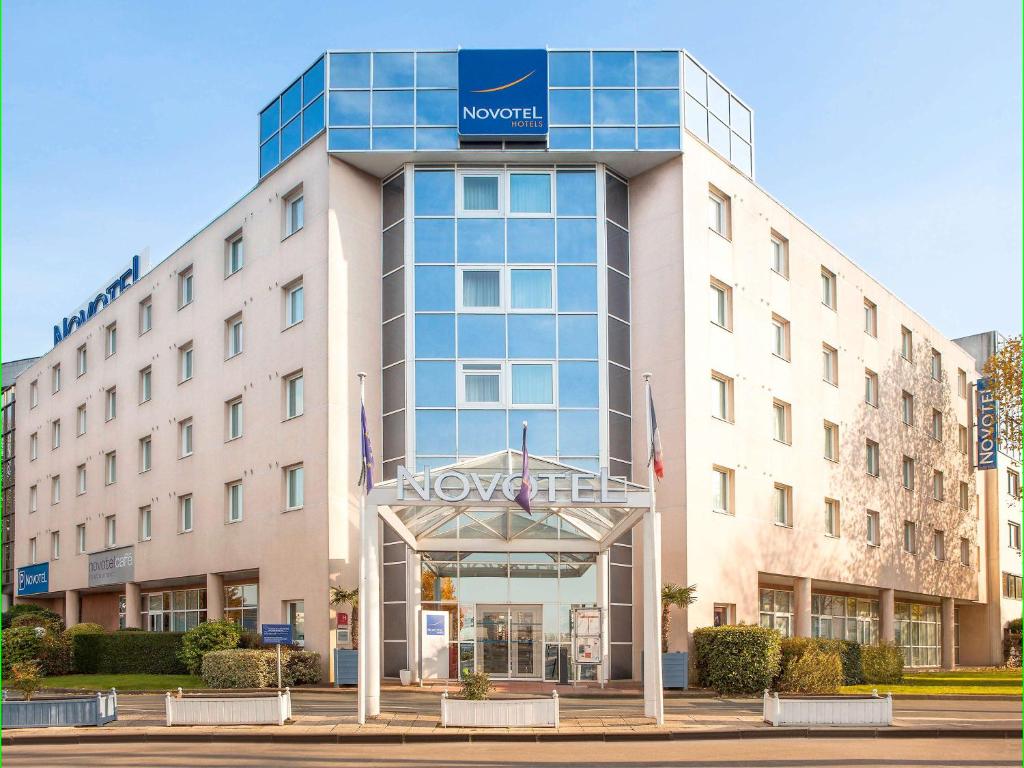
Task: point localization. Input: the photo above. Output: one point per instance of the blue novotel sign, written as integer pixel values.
(503, 93)
(34, 579)
(988, 426)
(274, 634)
(118, 285)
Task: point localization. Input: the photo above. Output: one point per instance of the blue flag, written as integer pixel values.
(366, 473)
(523, 497)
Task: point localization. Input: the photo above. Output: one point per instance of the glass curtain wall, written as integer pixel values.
(844, 618)
(919, 634)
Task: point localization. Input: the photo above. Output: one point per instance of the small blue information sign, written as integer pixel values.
(435, 624)
(274, 634)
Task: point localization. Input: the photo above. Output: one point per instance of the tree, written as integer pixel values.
(1003, 371)
(680, 597)
(340, 596)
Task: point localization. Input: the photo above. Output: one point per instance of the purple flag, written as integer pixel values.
(366, 473)
(523, 497)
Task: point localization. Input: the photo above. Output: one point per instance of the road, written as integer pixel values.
(754, 753)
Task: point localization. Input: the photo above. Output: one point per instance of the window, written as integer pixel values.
(780, 337)
(186, 287)
(832, 517)
(776, 608)
(961, 382)
(964, 439)
(186, 356)
(481, 384)
(146, 453)
(781, 419)
(111, 410)
(297, 620)
(55, 434)
(783, 504)
(293, 396)
(844, 618)
(55, 489)
(80, 479)
(906, 343)
(145, 523)
(81, 420)
(1013, 483)
(530, 289)
(871, 455)
(780, 254)
(1013, 532)
(721, 490)
(32, 553)
(33, 394)
(145, 315)
(721, 397)
(936, 424)
(110, 526)
(295, 305)
(870, 318)
(718, 212)
(185, 514)
(241, 605)
(33, 498)
(233, 336)
(146, 384)
(870, 387)
(828, 288)
(830, 365)
(721, 304)
(481, 194)
(873, 534)
(965, 551)
(235, 256)
(295, 214)
(907, 401)
(235, 501)
(908, 473)
(294, 487)
(480, 290)
(965, 496)
(1011, 585)
(55, 378)
(80, 538)
(909, 537)
(111, 336)
(33, 446)
(532, 384)
(55, 545)
(82, 358)
(937, 482)
(529, 193)
(185, 438)
(110, 467)
(725, 614)
(936, 365)
(939, 545)
(234, 418)
(831, 441)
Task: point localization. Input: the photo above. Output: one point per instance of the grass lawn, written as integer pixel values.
(960, 681)
(123, 682)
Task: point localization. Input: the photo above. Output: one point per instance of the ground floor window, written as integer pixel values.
(173, 611)
(725, 613)
(297, 620)
(844, 618)
(122, 611)
(919, 634)
(777, 610)
(241, 605)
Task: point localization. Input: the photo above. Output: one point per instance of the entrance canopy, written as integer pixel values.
(471, 505)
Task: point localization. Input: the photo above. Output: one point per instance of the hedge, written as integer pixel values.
(148, 653)
(882, 663)
(849, 655)
(22, 609)
(203, 638)
(251, 668)
(736, 658)
(816, 670)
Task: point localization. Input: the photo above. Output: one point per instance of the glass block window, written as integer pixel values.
(292, 119)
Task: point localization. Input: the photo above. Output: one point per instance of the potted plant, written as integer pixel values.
(24, 676)
(674, 665)
(473, 707)
(346, 660)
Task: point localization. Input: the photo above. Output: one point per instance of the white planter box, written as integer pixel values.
(217, 710)
(873, 710)
(500, 713)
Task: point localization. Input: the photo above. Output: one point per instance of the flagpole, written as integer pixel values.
(652, 564)
(363, 587)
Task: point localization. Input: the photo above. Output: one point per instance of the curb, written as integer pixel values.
(181, 735)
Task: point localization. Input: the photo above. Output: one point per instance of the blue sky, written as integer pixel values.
(892, 128)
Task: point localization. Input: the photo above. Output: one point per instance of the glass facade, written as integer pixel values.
(919, 634)
(844, 618)
(292, 119)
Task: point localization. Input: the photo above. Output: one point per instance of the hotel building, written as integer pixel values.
(190, 450)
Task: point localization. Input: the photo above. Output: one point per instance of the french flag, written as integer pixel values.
(656, 454)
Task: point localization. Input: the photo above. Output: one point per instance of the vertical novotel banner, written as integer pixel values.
(503, 94)
(987, 427)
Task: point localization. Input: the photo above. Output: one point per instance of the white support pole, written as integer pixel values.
(361, 676)
(603, 578)
(654, 702)
(369, 595)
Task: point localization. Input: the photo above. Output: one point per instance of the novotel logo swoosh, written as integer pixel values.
(507, 85)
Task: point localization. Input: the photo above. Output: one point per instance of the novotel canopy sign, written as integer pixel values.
(988, 427)
(503, 94)
(556, 488)
(106, 294)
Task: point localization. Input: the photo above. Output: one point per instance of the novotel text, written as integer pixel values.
(518, 117)
(454, 486)
(987, 427)
(118, 286)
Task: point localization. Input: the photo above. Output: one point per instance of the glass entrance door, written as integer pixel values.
(492, 640)
(510, 640)
(527, 641)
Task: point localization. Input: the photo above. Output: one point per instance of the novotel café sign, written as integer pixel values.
(106, 294)
(454, 486)
(112, 566)
(988, 426)
(503, 94)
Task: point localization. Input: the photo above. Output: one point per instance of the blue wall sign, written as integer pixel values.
(34, 579)
(276, 633)
(503, 93)
(988, 427)
(128, 277)
(435, 624)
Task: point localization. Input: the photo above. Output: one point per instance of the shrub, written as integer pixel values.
(19, 644)
(853, 665)
(203, 638)
(152, 653)
(849, 655)
(1014, 625)
(882, 663)
(56, 652)
(301, 668)
(25, 608)
(736, 658)
(250, 639)
(476, 686)
(24, 677)
(85, 628)
(814, 671)
(48, 620)
(237, 668)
